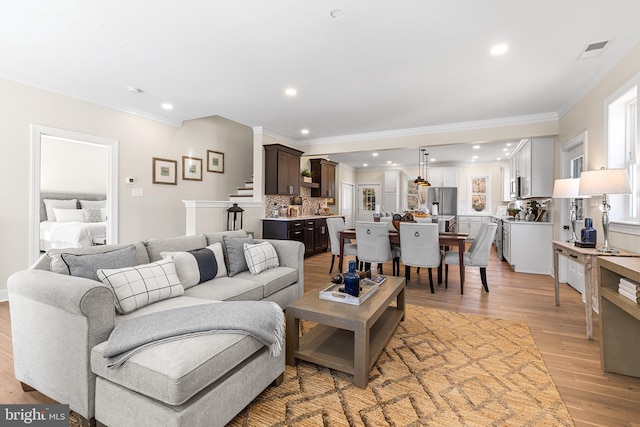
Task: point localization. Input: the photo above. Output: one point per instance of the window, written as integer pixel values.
(622, 148)
(479, 195)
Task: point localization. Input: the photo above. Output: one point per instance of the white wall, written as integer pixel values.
(160, 212)
(588, 114)
(70, 166)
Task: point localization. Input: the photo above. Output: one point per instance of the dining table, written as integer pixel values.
(446, 239)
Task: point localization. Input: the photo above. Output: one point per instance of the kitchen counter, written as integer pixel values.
(512, 220)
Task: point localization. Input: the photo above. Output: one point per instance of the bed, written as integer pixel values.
(80, 222)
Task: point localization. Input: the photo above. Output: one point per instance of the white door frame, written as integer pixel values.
(349, 219)
(37, 132)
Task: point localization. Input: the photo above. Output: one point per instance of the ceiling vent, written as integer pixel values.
(593, 49)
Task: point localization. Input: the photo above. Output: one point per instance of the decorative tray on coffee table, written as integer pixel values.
(335, 292)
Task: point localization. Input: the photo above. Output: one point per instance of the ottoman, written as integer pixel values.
(200, 381)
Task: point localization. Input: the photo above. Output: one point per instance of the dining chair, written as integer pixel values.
(334, 227)
(374, 245)
(476, 256)
(420, 247)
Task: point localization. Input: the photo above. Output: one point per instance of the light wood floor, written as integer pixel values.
(593, 397)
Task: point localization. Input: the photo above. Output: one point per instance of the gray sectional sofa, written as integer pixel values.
(60, 324)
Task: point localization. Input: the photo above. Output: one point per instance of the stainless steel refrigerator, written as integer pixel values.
(446, 197)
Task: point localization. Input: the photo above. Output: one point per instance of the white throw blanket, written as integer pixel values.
(263, 320)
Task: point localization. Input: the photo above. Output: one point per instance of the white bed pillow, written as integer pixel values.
(69, 215)
(95, 215)
(50, 204)
(93, 204)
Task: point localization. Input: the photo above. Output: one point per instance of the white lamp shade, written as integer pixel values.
(567, 188)
(604, 181)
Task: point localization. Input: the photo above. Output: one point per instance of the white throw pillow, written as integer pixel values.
(142, 285)
(93, 204)
(69, 215)
(50, 204)
(200, 265)
(260, 257)
(95, 215)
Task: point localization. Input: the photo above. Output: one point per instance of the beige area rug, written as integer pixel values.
(440, 368)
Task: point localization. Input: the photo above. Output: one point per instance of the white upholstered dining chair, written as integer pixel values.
(334, 227)
(476, 256)
(420, 247)
(374, 245)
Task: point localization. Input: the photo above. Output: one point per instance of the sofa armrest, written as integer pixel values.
(55, 322)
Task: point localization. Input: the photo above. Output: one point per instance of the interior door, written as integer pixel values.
(347, 201)
(368, 196)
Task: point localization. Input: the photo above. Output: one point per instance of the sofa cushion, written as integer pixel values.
(234, 254)
(260, 257)
(135, 287)
(199, 265)
(271, 280)
(174, 244)
(88, 265)
(59, 266)
(173, 372)
(228, 289)
(217, 236)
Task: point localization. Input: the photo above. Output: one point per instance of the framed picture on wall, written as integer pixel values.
(191, 168)
(215, 161)
(164, 171)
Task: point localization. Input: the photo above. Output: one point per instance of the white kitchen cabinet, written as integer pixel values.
(470, 224)
(443, 177)
(532, 161)
(526, 246)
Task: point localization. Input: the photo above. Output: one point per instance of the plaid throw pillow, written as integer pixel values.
(136, 287)
(260, 257)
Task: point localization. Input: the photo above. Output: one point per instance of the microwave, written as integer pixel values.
(516, 188)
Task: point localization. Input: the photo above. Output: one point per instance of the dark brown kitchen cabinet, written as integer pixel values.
(311, 231)
(282, 170)
(323, 172)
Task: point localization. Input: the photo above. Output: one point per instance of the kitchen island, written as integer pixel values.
(526, 245)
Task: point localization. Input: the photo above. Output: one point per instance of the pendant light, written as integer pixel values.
(425, 181)
(419, 180)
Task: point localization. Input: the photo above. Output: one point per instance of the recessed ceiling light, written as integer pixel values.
(305, 131)
(498, 158)
(167, 106)
(508, 144)
(476, 147)
(505, 149)
(365, 165)
(499, 49)
(474, 157)
(290, 92)
(389, 162)
(506, 154)
(433, 159)
(337, 14)
(132, 89)
(374, 154)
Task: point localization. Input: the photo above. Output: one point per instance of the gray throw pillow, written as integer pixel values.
(88, 265)
(234, 254)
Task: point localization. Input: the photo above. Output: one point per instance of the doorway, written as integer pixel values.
(347, 200)
(39, 136)
(368, 197)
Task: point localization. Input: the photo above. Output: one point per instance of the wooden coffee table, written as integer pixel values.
(348, 338)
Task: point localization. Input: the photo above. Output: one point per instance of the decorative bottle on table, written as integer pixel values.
(588, 233)
(352, 280)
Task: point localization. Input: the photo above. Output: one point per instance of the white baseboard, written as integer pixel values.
(4, 295)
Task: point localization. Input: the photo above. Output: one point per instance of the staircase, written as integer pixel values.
(243, 193)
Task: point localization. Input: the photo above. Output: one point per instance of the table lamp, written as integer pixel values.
(568, 188)
(601, 183)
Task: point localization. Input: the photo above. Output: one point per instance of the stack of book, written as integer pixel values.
(629, 289)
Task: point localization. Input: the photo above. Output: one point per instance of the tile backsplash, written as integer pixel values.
(309, 204)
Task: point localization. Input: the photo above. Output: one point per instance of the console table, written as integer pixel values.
(585, 257)
(620, 317)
